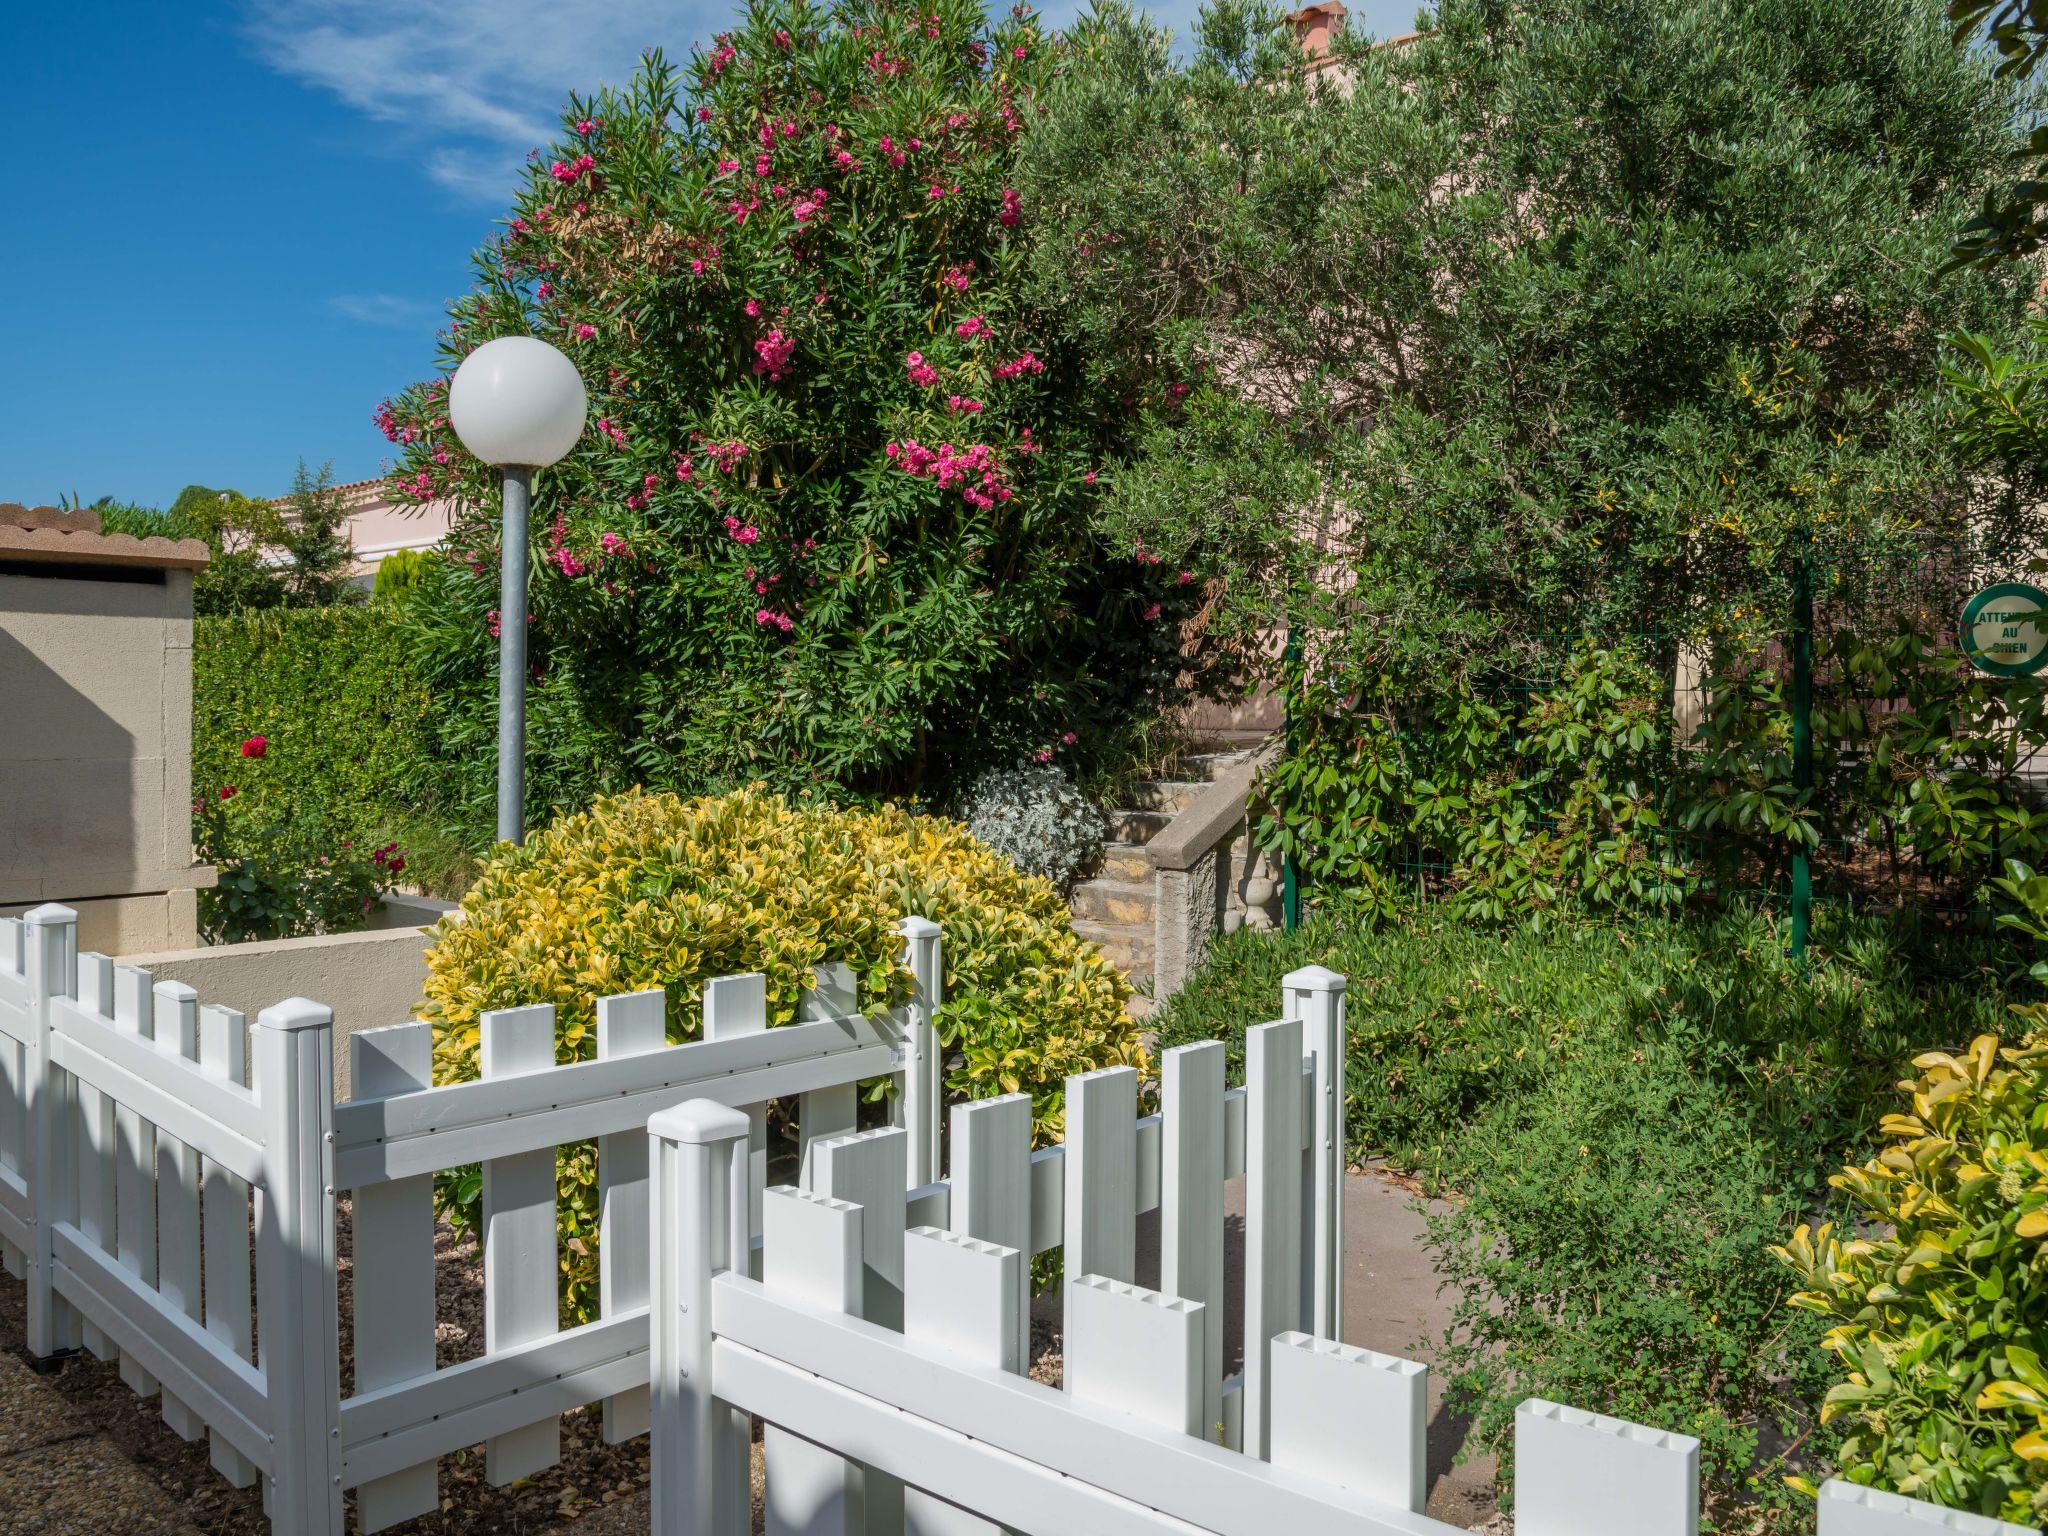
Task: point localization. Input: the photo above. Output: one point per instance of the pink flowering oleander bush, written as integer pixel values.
(831, 524)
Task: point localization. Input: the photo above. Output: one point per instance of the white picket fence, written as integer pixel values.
(138, 1155)
(884, 1364)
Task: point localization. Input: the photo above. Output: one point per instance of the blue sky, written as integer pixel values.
(234, 225)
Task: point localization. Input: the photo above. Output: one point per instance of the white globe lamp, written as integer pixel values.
(518, 404)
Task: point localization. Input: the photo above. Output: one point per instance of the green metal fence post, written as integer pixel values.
(1290, 872)
(1802, 746)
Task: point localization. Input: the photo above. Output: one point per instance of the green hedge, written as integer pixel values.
(346, 718)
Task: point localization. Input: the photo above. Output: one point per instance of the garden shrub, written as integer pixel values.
(647, 890)
(1642, 310)
(1034, 816)
(1609, 1250)
(1935, 1298)
(831, 525)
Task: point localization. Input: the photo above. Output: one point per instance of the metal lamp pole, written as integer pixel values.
(512, 657)
(518, 404)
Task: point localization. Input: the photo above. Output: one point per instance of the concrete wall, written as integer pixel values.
(369, 979)
(95, 753)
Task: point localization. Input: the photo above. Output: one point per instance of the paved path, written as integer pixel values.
(59, 1477)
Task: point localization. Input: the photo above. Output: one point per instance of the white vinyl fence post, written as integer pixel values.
(1584, 1474)
(51, 953)
(1315, 995)
(631, 1024)
(297, 1326)
(697, 1169)
(1272, 1211)
(918, 1105)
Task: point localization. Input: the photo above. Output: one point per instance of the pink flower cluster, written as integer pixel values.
(726, 456)
(771, 355)
(571, 171)
(768, 618)
(612, 430)
(891, 153)
(968, 329)
(973, 470)
(613, 544)
(741, 533)
(586, 126)
(804, 209)
(922, 373)
(960, 405)
(724, 56)
(1013, 209)
(957, 278)
(1027, 362)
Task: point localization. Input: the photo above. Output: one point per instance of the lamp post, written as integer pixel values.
(518, 404)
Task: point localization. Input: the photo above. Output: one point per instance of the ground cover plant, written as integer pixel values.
(647, 890)
(831, 524)
(1624, 1119)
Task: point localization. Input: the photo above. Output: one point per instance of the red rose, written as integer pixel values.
(255, 746)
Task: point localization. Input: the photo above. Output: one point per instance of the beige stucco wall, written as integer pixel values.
(95, 753)
(369, 979)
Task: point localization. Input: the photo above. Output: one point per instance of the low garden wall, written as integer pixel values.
(370, 979)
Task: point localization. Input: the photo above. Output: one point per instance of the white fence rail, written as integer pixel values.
(928, 1427)
(139, 1151)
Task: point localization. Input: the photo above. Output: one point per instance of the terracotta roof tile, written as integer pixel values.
(59, 536)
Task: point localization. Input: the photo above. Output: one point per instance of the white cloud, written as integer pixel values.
(380, 308)
(469, 86)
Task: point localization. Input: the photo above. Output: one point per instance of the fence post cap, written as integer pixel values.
(698, 1122)
(1314, 978)
(176, 991)
(295, 1013)
(918, 928)
(50, 914)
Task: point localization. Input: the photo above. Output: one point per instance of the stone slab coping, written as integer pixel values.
(1211, 816)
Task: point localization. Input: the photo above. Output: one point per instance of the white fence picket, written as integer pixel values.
(733, 1006)
(1847, 1509)
(1584, 1474)
(1190, 1201)
(177, 1191)
(1352, 1418)
(95, 1154)
(1135, 1351)
(960, 1297)
(394, 1269)
(224, 1220)
(627, 1025)
(135, 1162)
(811, 1255)
(14, 1148)
(520, 1285)
(1102, 1174)
(827, 1112)
(991, 1187)
(867, 1169)
(1272, 1210)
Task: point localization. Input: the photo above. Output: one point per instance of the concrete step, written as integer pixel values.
(1135, 828)
(1124, 861)
(1165, 794)
(1207, 767)
(1127, 948)
(1114, 901)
